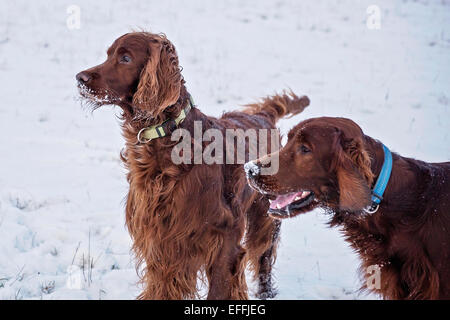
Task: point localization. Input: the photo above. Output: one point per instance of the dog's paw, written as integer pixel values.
(267, 294)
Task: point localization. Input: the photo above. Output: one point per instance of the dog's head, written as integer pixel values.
(324, 163)
(141, 73)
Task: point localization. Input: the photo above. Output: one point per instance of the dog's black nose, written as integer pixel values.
(83, 77)
(252, 169)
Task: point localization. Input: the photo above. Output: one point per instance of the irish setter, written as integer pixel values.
(185, 219)
(330, 163)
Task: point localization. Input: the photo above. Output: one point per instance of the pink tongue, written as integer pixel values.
(284, 200)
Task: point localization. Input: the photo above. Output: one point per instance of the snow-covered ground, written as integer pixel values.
(62, 184)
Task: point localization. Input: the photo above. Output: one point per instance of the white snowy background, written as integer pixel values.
(62, 184)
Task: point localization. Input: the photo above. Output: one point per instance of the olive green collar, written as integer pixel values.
(167, 127)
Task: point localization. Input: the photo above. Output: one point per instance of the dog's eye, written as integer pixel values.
(304, 149)
(125, 59)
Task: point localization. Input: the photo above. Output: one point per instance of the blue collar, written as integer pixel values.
(382, 181)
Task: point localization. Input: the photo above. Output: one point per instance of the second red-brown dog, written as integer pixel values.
(331, 163)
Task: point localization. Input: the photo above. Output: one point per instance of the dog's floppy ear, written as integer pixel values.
(160, 81)
(353, 173)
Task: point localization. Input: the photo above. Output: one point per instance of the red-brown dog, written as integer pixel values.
(330, 163)
(184, 218)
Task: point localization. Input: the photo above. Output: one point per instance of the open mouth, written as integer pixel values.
(291, 204)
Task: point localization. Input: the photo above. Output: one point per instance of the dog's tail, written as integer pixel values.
(278, 106)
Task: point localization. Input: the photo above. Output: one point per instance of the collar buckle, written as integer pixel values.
(372, 209)
(140, 138)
